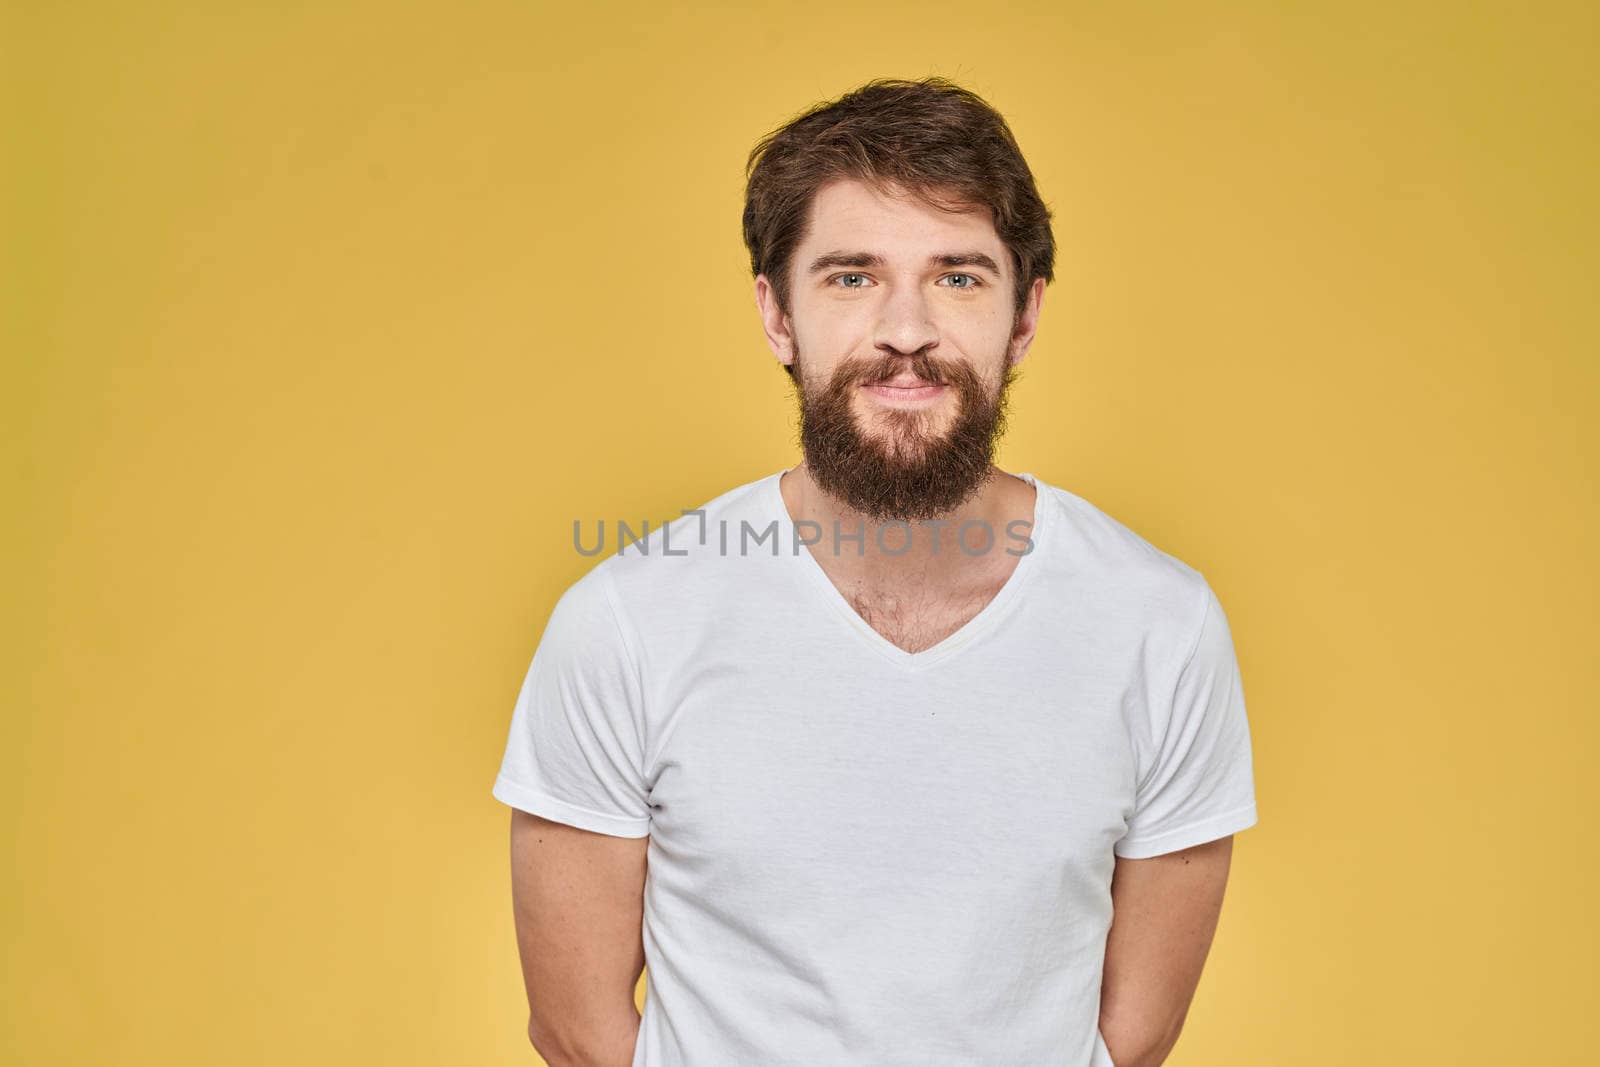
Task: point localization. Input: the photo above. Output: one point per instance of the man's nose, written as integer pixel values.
(905, 324)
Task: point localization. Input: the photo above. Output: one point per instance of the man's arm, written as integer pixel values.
(578, 898)
(1165, 913)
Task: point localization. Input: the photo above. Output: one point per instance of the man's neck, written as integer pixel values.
(947, 548)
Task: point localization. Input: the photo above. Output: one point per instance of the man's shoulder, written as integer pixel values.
(662, 559)
(1092, 547)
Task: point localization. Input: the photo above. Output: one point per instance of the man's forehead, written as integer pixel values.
(850, 203)
(855, 216)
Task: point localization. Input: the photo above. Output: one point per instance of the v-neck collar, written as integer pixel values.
(973, 627)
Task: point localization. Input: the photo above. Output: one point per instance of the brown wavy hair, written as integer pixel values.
(941, 142)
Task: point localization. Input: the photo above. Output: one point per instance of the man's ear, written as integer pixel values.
(1027, 322)
(778, 328)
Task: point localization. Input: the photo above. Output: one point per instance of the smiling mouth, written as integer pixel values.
(905, 390)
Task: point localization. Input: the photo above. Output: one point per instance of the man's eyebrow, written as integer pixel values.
(845, 259)
(965, 259)
(871, 259)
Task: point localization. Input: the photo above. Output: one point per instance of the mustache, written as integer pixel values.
(871, 371)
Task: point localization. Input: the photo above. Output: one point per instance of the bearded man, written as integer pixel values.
(945, 770)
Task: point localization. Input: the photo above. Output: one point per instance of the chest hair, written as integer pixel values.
(917, 621)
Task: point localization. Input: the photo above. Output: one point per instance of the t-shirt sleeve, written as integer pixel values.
(1197, 782)
(574, 754)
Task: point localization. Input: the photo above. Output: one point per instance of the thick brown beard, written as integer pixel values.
(904, 472)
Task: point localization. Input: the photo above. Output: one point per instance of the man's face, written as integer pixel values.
(904, 337)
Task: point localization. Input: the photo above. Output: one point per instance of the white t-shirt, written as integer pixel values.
(865, 856)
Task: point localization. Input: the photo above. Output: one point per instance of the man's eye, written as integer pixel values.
(971, 281)
(850, 280)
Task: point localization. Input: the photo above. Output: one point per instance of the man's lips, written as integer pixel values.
(904, 389)
(904, 381)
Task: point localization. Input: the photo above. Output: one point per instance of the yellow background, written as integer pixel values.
(323, 322)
